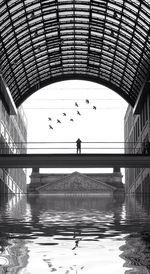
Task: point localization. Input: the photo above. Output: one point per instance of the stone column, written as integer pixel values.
(34, 180)
(35, 170)
(116, 169)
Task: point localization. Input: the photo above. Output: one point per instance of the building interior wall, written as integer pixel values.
(137, 136)
(13, 138)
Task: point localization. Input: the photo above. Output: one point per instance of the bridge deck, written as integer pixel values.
(74, 160)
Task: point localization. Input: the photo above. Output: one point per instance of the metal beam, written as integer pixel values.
(107, 41)
(74, 161)
(142, 96)
(5, 92)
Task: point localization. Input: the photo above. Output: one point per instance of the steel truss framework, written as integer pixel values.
(45, 41)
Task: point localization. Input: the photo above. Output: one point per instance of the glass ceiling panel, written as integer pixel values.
(105, 41)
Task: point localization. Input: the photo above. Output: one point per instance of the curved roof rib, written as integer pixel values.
(45, 41)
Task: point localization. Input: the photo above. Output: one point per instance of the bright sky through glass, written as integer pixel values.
(103, 124)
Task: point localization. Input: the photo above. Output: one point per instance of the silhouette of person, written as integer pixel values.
(78, 142)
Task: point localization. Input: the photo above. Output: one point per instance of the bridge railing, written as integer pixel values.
(70, 147)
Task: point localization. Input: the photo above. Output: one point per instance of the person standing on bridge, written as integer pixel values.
(78, 142)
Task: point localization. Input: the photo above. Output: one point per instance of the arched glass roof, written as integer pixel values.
(45, 41)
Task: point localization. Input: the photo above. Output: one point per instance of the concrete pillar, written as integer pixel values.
(35, 170)
(35, 180)
(116, 169)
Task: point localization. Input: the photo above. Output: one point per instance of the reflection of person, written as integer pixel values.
(78, 142)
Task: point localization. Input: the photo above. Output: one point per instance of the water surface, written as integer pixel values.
(74, 234)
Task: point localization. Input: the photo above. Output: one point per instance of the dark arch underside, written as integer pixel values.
(46, 41)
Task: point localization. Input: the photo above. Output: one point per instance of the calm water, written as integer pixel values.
(44, 234)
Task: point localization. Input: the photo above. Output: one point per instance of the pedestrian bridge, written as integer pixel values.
(63, 155)
(88, 160)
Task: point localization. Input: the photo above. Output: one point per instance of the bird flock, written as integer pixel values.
(58, 121)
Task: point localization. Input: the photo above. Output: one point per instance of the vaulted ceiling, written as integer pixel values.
(46, 41)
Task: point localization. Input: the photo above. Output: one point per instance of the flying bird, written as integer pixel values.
(14, 62)
(71, 120)
(134, 61)
(35, 33)
(78, 113)
(64, 114)
(76, 243)
(110, 47)
(94, 107)
(50, 127)
(115, 14)
(38, 48)
(32, 15)
(76, 104)
(87, 101)
(58, 121)
(49, 119)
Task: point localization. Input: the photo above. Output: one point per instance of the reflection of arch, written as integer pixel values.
(47, 41)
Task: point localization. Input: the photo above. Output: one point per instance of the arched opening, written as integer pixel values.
(104, 124)
(59, 98)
